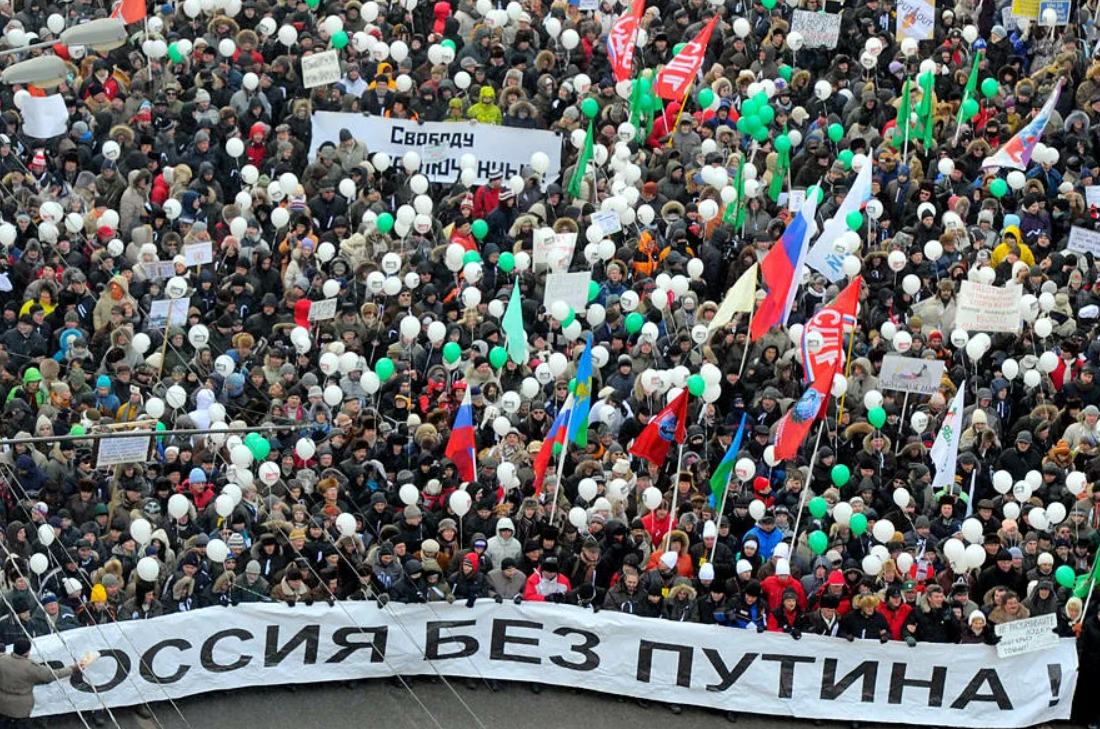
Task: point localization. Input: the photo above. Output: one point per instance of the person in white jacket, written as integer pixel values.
(504, 544)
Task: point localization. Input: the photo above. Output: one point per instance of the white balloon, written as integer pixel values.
(757, 509)
(974, 556)
(872, 399)
(652, 497)
(883, 530)
(973, 531)
(217, 550)
(178, 506)
(902, 497)
(872, 565)
(460, 503)
(305, 448)
(148, 568)
(842, 513)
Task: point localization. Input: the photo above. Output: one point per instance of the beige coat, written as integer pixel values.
(18, 677)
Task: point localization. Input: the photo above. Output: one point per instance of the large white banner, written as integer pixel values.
(724, 668)
(442, 144)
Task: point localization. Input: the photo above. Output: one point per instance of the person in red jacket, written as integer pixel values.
(658, 522)
(546, 584)
(788, 617)
(835, 586)
(775, 586)
(895, 610)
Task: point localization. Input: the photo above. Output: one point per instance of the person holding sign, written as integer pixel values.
(18, 677)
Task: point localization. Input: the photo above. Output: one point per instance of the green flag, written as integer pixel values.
(926, 111)
(512, 325)
(971, 86)
(582, 164)
(905, 111)
(735, 213)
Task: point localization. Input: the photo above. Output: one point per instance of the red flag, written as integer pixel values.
(824, 362)
(622, 39)
(668, 425)
(679, 73)
(131, 11)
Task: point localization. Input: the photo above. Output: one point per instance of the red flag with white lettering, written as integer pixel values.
(822, 351)
(674, 79)
(622, 39)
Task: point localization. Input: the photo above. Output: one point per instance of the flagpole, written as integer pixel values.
(675, 493)
(681, 112)
(748, 338)
(806, 488)
(561, 464)
(847, 371)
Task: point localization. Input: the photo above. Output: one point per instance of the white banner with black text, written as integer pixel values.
(723, 668)
(441, 145)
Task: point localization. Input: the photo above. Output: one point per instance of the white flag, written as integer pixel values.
(945, 451)
(822, 258)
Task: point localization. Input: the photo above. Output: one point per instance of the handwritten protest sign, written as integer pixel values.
(572, 288)
(198, 254)
(984, 308)
(820, 30)
(1082, 240)
(608, 220)
(1060, 7)
(1027, 636)
(319, 69)
(159, 269)
(132, 449)
(322, 310)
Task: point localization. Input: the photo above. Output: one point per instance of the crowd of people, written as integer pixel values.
(333, 481)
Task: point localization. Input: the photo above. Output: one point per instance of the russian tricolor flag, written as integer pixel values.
(462, 447)
(557, 435)
(782, 270)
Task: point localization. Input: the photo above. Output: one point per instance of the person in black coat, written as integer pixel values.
(1021, 459)
(826, 619)
(932, 621)
(1001, 574)
(469, 583)
(866, 622)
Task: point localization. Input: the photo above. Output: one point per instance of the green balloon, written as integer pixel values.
(761, 134)
(174, 54)
(593, 290)
(766, 115)
(259, 446)
(785, 72)
(990, 88)
(836, 132)
(79, 430)
(706, 98)
(854, 220)
(817, 192)
(998, 188)
(471, 257)
(384, 368)
(782, 143)
(448, 43)
(840, 474)
(590, 107)
(451, 352)
(506, 262)
(696, 385)
(313, 3)
(969, 109)
(1065, 576)
(384, 223)
(340, 39)
(748, 108)
(498, 356)
(648, 104)
(761, 99)
(818, 542)
(569, 319)
(480, 229)
(744, 126)
(677, 48)
(877, 417)
(858, 524)
(846, 156)
(634, 322)
(818, 507)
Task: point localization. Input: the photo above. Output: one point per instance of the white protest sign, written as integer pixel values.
(1092, 195)
(1082, 240)
(795, 200)
(320, 69)
(497, 149)
(554, 251)
(45, 117)
(608, 221)
(165, 311)
(909, 374)
(820, 30)
(572, 288)
(705, 666)
(1027, 636)
(198, 254)
(322, 310)
(916, 19)
(131, 449)
(159, 269)
(984, 308)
